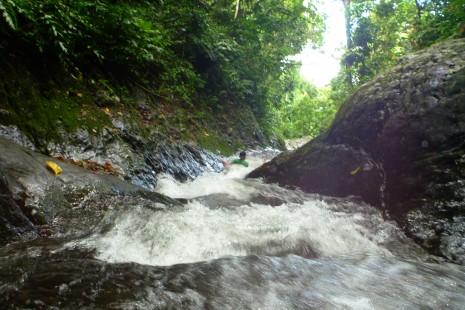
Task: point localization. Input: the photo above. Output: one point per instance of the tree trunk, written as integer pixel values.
(238, 4)
(419, 8)
(348, 19)
(347, 16)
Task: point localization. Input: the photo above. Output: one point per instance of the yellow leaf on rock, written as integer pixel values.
(355, 170)
(52, 166)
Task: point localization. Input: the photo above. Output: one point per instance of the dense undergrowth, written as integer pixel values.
(42, 109)
(208, 73)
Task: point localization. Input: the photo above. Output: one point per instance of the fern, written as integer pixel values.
(8, 12)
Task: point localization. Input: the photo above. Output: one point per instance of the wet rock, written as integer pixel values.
(14, 224)
(32, 197)
(139, 159)
(399, 144)
(12, 133)
(327, 169)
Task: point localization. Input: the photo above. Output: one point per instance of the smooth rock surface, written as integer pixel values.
(32, 196)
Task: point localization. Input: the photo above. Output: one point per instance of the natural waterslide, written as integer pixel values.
(233, 243)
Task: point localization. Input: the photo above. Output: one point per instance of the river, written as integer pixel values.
(235, 244)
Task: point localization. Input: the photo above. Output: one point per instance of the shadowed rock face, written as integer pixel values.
(398, 143)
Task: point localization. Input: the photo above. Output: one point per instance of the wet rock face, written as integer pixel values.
(14, 224)
(138, 159)
(333, 170)
(398, 143)
(32, 197)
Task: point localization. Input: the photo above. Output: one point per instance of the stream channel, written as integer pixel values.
(236, 243)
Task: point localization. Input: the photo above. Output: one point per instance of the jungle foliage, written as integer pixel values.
(305, 110)
(189, 51)
(384, 30)
(379, 33)
(201, 53)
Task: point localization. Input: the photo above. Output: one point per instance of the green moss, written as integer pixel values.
(41, 118)
(42, 108)
(457, 85)
(214, 142)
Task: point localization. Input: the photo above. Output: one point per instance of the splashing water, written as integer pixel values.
(242, 244)
(199, 233)
(208, 228)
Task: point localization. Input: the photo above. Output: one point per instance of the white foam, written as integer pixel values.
(207, 184)
(198, 233)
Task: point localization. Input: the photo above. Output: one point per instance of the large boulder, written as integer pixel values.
(399, 144)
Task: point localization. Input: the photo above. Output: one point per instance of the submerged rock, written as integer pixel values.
(399, 144)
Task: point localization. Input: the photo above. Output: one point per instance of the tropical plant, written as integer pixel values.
(438, 20)
(380, 32)
(306, 110)
(223, 50)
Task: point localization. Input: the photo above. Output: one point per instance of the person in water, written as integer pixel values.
(238, 161)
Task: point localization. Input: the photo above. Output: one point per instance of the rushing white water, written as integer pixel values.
(299, 251)
(200, 232)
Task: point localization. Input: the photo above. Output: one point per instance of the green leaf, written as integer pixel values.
(8, 13)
